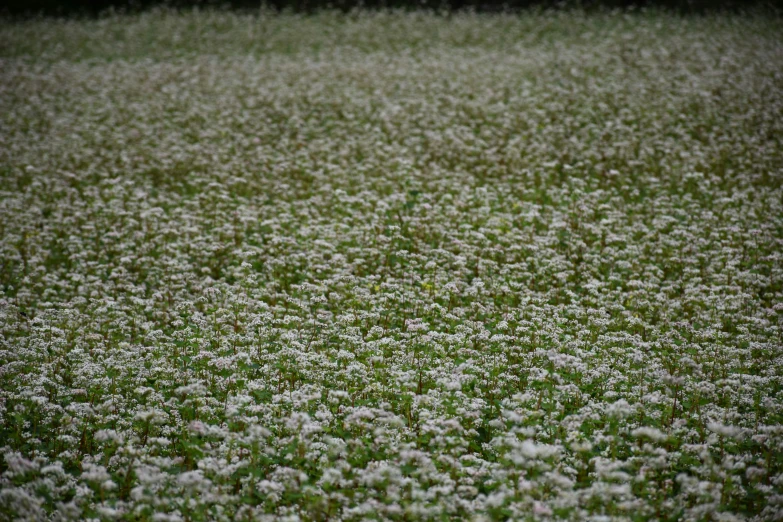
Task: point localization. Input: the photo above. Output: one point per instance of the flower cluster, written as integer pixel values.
(391, 266)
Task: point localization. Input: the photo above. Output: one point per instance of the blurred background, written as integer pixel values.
(27, 8)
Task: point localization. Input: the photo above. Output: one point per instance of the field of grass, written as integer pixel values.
(390, 266)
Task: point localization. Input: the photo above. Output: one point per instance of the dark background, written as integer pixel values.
(89, 8)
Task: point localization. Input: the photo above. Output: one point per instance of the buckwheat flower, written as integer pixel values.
(582, 446)
(620, 409)
(95, 473)
(18, 464)
(197, 427)
(110, 435)
(195, 390)
(541, 509)
(408, 279)
(732, 432)
(653, 434)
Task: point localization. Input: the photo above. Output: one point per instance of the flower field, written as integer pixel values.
(391, 266)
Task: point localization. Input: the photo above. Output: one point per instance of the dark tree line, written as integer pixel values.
(96, 7)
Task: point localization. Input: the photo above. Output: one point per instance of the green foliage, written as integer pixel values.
(391, 266)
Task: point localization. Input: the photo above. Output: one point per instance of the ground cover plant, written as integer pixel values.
(391, 266)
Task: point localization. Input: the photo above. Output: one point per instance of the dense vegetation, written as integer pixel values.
(92, 8)
(391, 266)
